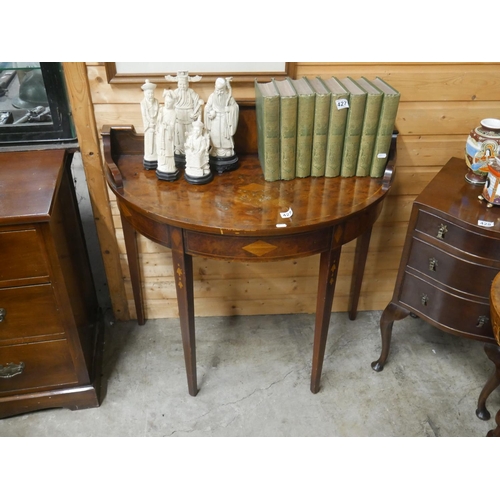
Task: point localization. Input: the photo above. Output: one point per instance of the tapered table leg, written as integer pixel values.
(328, 268)
(391, 313)
(130, 236)
(362, 244)
(183, 272)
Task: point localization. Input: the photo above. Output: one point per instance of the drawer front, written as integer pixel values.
(250, 248)
(471, 242)
(22, 257)
(456, 273)
(465, 317)
(37, 365)
(28, 311)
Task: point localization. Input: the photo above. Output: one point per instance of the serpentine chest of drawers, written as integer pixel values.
(50, 328)
(450, 257)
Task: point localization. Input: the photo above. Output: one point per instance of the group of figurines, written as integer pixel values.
(176, 138)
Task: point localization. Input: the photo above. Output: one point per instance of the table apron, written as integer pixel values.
(254, 248)
(257, 248)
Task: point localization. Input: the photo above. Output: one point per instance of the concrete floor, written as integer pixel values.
(253, 376)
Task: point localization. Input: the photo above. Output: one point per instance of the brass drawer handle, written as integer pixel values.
(3, 312)
(424, 299)
(442, 231)
(433, 264)
(11, 370)
(481, 321)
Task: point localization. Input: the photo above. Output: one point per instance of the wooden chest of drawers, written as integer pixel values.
(50, 326)
(450, 257)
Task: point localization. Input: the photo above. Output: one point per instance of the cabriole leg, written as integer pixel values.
(392, 312)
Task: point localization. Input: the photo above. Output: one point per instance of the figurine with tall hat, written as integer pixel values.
(187, 110)
(149, 110)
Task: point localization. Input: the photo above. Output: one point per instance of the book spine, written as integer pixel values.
(268, 138)
(354, 125)
(305, 124)
(335, 142)
(288, 146)
(368, 134)
(384, 135)
(320, 135)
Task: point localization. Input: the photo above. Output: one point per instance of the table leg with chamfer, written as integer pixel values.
(183, 273)
(362, 244)
(130, 236)
(328, 269)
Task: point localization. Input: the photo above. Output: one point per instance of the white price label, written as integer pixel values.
(485, 223)
(342, 103)
(381, 155)
(287, 214)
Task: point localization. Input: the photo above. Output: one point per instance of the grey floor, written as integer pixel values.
(253, 378)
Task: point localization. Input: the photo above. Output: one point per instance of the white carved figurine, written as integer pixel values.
(187, 107)
(149, 110)
(165, 138)
(221, 118)
(197, 145)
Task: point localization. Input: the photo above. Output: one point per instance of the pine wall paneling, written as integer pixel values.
(439, 105)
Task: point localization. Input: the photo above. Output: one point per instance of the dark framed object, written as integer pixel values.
(34, 105)
(286, 69)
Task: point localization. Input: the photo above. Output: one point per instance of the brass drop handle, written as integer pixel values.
(442, 231)
(424, 298)
(3, 312)
(11, 370)
(481, 321)
(433, 264)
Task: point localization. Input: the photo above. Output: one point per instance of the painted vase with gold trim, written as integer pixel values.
(482, 145)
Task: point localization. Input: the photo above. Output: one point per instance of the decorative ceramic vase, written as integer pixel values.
(482, 145)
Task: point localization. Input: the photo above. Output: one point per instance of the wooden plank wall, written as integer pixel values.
(439, 105)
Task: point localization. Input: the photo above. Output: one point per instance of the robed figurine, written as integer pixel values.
(187, 110)
(221, 120)
(149, 110)
(165, 132)
(197, 145)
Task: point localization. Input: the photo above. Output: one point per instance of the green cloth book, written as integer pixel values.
(267, 109)
(305, 125)
(353, 128)
(288, 128)
(373, 105)
(385, 128)
(320, 131)
(336, 129)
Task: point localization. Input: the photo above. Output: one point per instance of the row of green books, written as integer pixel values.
(324, 126)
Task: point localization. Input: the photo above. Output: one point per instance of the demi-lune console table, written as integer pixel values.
(236, 217)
